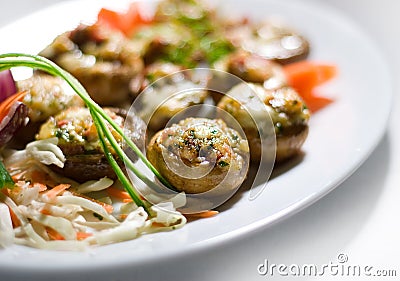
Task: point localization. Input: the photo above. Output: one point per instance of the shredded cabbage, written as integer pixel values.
(6, 227)
(167, 215)
(35, 158)
(43, 151)
(94, 185)
(46, 152)
(22, 194)
(69, 214)
(127, 230)
(78, 220)
(86, 204)
(62, 225)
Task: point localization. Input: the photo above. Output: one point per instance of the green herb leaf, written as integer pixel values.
(223, 163)
(99, 217)
(5, 178)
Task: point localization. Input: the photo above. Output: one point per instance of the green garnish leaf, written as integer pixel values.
(215, 49)
(99, 217)
(223, 163)
(5, 178)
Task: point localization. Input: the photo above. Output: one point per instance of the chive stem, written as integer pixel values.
(121, 154)
(98, 114)
(81, 91)
(120, 174)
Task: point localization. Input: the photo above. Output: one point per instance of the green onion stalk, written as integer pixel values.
(100, 119)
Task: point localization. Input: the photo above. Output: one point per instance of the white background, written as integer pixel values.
(360, 218)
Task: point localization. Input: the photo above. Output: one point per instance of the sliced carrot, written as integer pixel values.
(42, 187)
(109, 209)
(5, 191)
(305, 76)
(125, 22)
(45, 211)
(309, 73)
(17, 177)
(37, 176)
(53, 234)
(57, 190)
(202, 215)
(7, 103)
(118, 193)
(62, 123)
(157, 224)
(315, 103)
(41, 177)
(123, 216)
(111, 18)
(127, 200)
(15, 220)
(83, 235)
(303, 82)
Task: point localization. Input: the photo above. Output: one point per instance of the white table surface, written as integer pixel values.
(360, 218)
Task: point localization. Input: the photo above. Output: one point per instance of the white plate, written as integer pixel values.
(341, 137)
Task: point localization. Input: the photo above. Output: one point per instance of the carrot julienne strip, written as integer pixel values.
(17, 177)
(57, 190)
(45, 211)
(83, 235)
(115, 192)
(15, 221)
(157, 224)
(205, 214)
(109, 208)
(53, 234)
(6, 104)
(42, 187)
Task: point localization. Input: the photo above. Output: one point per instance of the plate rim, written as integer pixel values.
(260, 225)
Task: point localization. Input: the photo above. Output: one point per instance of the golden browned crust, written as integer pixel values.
(288, 114)
(228, 173)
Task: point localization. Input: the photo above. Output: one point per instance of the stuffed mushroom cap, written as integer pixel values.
(249, 67)
(47, 95)
(254, 69)
(174, 90)
(288, 113)
(270, 39)
(103, 60)
(78, 139)
(198, 155)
